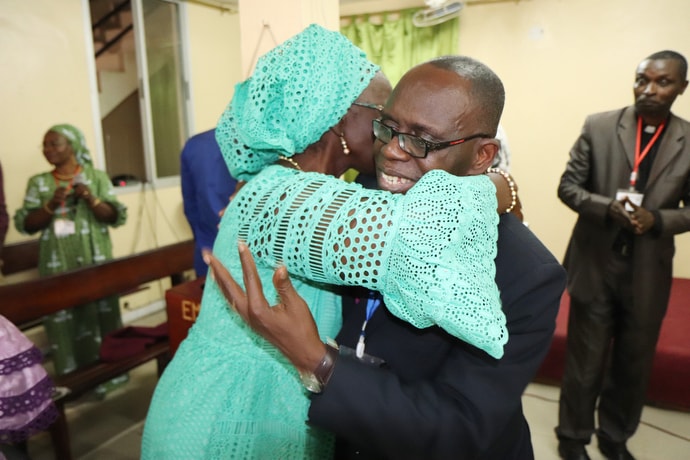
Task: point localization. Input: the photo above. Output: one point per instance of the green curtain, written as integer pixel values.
(396, 45)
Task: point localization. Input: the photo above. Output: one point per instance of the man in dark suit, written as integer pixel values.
(206, 188)
(435, 397)
(619, 260)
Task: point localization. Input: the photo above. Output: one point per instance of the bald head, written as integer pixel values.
(486, 88)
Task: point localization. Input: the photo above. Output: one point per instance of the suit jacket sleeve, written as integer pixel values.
(573, 188)
(469, 402)
(674, 182)
(676, 221)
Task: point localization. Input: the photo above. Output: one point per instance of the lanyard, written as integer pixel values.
(69, 186)
(640, 156)
(63, 209)
(372, 304)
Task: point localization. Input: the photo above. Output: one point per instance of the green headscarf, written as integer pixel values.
(76, 139)
(297, 91)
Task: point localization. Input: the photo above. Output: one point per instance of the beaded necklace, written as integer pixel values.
(291, 161)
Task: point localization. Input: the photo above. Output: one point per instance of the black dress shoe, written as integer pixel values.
(570, 449)
(614, 450)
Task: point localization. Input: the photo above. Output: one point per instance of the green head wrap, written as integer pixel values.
(296, 93)
(76, 139)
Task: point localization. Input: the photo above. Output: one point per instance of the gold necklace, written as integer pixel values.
(291, 161)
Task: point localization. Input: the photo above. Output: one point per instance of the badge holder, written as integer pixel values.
(633, 195)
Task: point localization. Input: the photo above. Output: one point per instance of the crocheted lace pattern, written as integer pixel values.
(430, 251)
(228, 393)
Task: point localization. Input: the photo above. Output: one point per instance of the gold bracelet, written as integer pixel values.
(47, 209)
(95, 202)
(511, 186)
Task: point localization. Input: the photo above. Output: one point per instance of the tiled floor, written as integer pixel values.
(111, 429)
(662, 435)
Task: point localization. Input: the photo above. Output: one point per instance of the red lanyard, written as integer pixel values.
(640, 156)
(69, 185)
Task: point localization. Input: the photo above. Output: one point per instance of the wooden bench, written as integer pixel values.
(28, 301)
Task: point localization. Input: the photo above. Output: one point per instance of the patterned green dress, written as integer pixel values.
(75, 334)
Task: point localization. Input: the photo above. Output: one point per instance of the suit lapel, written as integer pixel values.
(626, 134)
(671, 145)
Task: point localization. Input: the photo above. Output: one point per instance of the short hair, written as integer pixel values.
(487, 89)
(675, 56)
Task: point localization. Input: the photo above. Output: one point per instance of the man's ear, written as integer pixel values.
(487, 149)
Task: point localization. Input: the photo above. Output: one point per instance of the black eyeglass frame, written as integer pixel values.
(377, 107)
(428, 145)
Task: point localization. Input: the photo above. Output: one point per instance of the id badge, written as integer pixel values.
(64, 227)
(634, 196)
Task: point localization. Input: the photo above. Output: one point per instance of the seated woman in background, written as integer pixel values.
(72, 206)
(26, 403)
(230, 394)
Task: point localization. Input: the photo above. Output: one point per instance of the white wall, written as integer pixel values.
(215, 62)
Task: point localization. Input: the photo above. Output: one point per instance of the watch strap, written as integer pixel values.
(325, 368)
(315, 381)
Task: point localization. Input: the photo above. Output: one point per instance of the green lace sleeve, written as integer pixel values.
(430, 252)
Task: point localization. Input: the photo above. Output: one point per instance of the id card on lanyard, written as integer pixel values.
(631, 193)
(62, 225)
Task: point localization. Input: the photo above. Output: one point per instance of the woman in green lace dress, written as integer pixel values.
(309, 106)
(72, 207)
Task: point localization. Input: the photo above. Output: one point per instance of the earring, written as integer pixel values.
(343, 142)
(346, 149)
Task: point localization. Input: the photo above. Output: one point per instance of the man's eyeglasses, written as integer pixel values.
(377, 107)
(415, 146)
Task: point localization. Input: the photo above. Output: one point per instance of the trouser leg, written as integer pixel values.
(590, 328)
(638, 323)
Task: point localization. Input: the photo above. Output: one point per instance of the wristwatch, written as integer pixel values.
(316, 381)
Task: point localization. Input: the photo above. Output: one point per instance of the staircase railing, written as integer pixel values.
(98, 25)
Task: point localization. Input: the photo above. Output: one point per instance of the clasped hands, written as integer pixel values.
(81, 191)
(639, 220)
(288, 325)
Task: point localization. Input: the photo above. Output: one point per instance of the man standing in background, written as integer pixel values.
(206, 189)
(627, 174)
